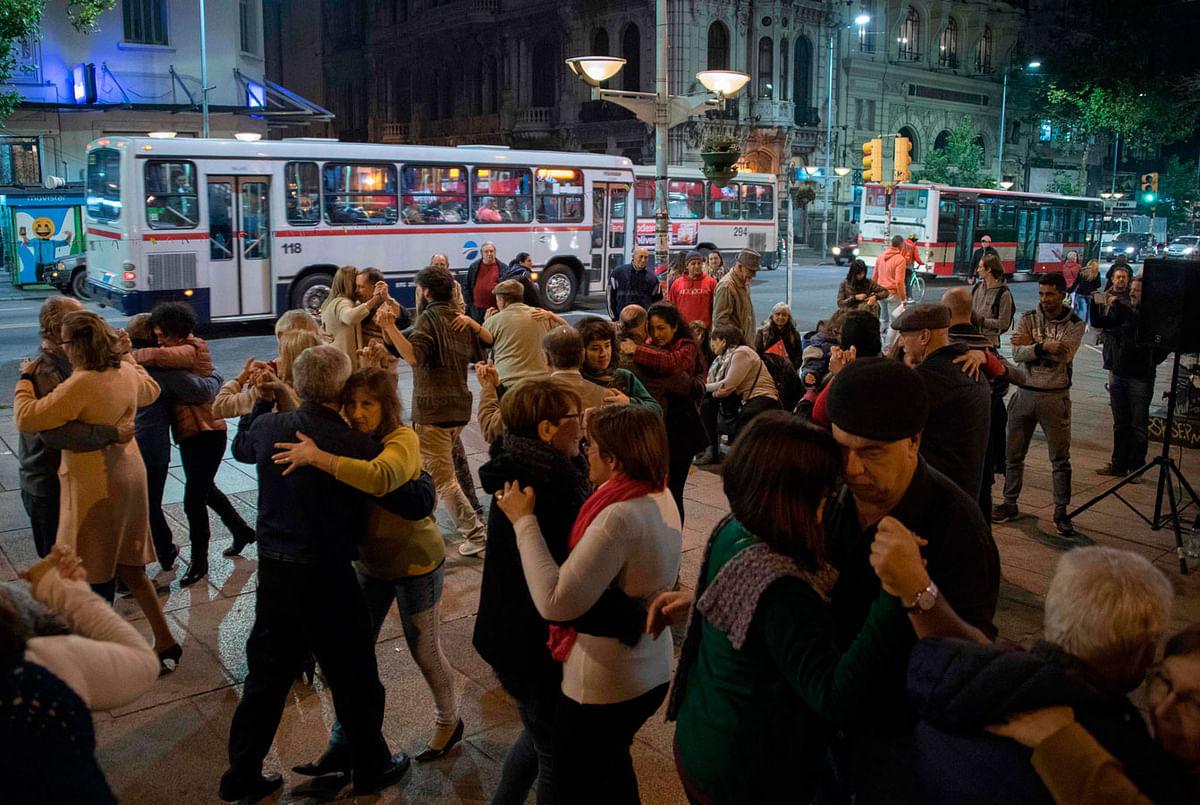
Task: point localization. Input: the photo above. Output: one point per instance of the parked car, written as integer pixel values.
(1133, 245)
(69, 275)
(1186, 247)
(843, 253)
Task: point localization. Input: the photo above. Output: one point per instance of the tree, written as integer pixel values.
(1064, 184)
(959, 161)
(1178, 192)
(1142, 119)
(20, 19)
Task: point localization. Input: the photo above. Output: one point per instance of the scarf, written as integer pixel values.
(606, 377)
(616, 489)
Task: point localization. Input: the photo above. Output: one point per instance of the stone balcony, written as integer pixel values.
(767, 112)
(534, 123)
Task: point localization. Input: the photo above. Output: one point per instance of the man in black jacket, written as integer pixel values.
(1132, 384)
(308, 595)
(485, 274)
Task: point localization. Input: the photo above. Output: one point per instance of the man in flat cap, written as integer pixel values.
(887, 477)
(731, 299)
(515, 334)
(955, 436)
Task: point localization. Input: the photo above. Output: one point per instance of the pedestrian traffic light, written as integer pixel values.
(873, 160)
(903, 159)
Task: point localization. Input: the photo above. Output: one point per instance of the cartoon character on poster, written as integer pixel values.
(36, 241)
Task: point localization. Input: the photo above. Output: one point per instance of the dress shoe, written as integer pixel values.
(252, 791)
(390, 774)
(174, 654)
(336, 760)
(197, 571)
(167, 563)
(240, 540)
(429, 753)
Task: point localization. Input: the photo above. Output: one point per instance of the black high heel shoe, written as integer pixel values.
(174, 654)
(429, 753)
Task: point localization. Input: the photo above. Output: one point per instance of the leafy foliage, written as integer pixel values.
(720, 144)
(959, 162)
(1178, 191)
(1064, 184)
(1142, 119)
(803, 194)
(22, 18)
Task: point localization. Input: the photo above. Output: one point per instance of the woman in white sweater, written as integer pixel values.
(627, 536)
(745, 376)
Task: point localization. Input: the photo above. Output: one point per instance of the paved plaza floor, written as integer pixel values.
(169, 745)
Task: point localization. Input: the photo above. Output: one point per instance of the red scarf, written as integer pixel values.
(616, 489)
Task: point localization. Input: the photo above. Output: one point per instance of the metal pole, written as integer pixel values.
(788, 251)
(1003, 109)
(1116, 155)
(661, 125)
(203, 73)
(828, 146)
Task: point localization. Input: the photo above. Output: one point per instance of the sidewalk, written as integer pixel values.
(169, 746)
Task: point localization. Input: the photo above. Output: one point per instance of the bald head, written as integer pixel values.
(564, 348)
(633, 321)
(959, 302)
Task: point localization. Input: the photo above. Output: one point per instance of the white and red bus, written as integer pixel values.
(246, 230)
(742, 215)
(1031, 231)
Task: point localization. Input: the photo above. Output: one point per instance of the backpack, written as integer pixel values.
(787, 382)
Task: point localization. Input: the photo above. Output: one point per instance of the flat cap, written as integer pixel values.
(922, 316)
(854, 398)
(509, 288)
(749, 259)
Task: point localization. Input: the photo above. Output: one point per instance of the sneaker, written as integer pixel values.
(471, 548)
(1064, 526)
(1004, 512)
(1108, 470)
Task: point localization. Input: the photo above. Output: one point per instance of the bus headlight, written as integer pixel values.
(837, 251)
(855, 252)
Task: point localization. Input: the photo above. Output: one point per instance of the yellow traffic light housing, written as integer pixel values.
(1150, 183)
(902, 160)
(873, 160)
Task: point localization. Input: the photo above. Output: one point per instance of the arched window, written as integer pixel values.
(631, 51)
(948, 45)
(940, 141)
(783, 69)
(906, 131)
(983, 51)
(910, 37)
(982, 148)
(766, 70)
(718, 46)
(544, 68)
(802, 82)
(600, 42)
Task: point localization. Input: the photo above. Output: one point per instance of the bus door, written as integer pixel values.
(1026, 239)
(239, 245)
(964, 241)
(608, 232)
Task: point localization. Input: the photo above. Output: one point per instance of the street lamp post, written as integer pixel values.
(203, 73)
(860, 21)
(1033, 65)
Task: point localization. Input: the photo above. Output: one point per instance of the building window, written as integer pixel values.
(718, 46)
(910, 37)
(766, 69)
(250, 15)
(545, 66)
(631, 51)
(939, 142)
(145, 21)
(783, 69)
(948, 45)
(864, 114)
(983, 52)
(19, 162)
(802, 82)
(866, 42)
(600, 42)
(907, 131)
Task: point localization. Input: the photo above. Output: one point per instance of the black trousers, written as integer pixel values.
(302, 608)
(201, 456)
(160, 532)
(43, 519)
(593, 763)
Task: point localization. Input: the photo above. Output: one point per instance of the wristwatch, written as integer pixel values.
(924, 600)
(27, 376)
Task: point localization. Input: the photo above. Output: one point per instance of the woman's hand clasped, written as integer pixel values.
(303, 453)
(61, 556)
(896, 557)
(516, 502)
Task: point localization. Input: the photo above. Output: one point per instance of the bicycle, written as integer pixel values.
(916, 287)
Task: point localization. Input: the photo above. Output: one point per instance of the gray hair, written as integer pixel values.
(1104, 602)
(320, 373)
(295, 319)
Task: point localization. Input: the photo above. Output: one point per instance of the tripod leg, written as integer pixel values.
(1117, 487)
(1174, 517)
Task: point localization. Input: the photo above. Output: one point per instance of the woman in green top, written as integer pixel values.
(401, 559)
(599, 348)
(760, 678)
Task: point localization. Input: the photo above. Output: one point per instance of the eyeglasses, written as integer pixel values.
(1161, 686)
(578, 416)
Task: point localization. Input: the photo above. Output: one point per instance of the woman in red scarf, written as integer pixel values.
(627, 536)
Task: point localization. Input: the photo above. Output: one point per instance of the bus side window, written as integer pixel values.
(502, 195)
(685, 199)
(303, 200)
(644, 198)
(723, 202)
(434, 194)
(947, 221)
(360, 194)
(171, 200)
(757, 202)
(559, 195)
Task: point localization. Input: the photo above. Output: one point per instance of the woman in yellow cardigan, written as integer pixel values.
(400, 559)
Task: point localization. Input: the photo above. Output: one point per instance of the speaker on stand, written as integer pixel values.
(1166, 324)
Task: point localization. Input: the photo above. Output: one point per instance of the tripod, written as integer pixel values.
(1166, 468)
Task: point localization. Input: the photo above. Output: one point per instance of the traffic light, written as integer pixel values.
(903, 159)
(1149, 188)
(873, 160)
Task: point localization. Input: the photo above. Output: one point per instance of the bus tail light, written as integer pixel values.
(129, 275)
(188, 292)
(533, 275)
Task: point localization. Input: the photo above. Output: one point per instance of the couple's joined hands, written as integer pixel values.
(63, 557)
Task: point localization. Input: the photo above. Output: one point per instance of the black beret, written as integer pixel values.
(922, 316)
(879, 399)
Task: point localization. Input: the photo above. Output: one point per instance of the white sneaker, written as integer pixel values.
(469, 548)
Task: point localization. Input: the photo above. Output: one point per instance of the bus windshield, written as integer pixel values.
(104, 184)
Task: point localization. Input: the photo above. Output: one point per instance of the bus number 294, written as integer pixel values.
(292, 248)
(740, 231)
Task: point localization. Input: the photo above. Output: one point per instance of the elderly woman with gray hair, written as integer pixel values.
(1106, 609)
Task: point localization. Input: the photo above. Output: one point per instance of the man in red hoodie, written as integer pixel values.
(693, 292)
(889, 272)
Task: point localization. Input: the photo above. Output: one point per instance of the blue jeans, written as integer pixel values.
(1130, 397)
(532, 756)
(418, 602)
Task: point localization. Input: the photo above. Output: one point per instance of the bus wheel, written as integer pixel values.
(311, 292)
(79, 284)
(558, 287)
